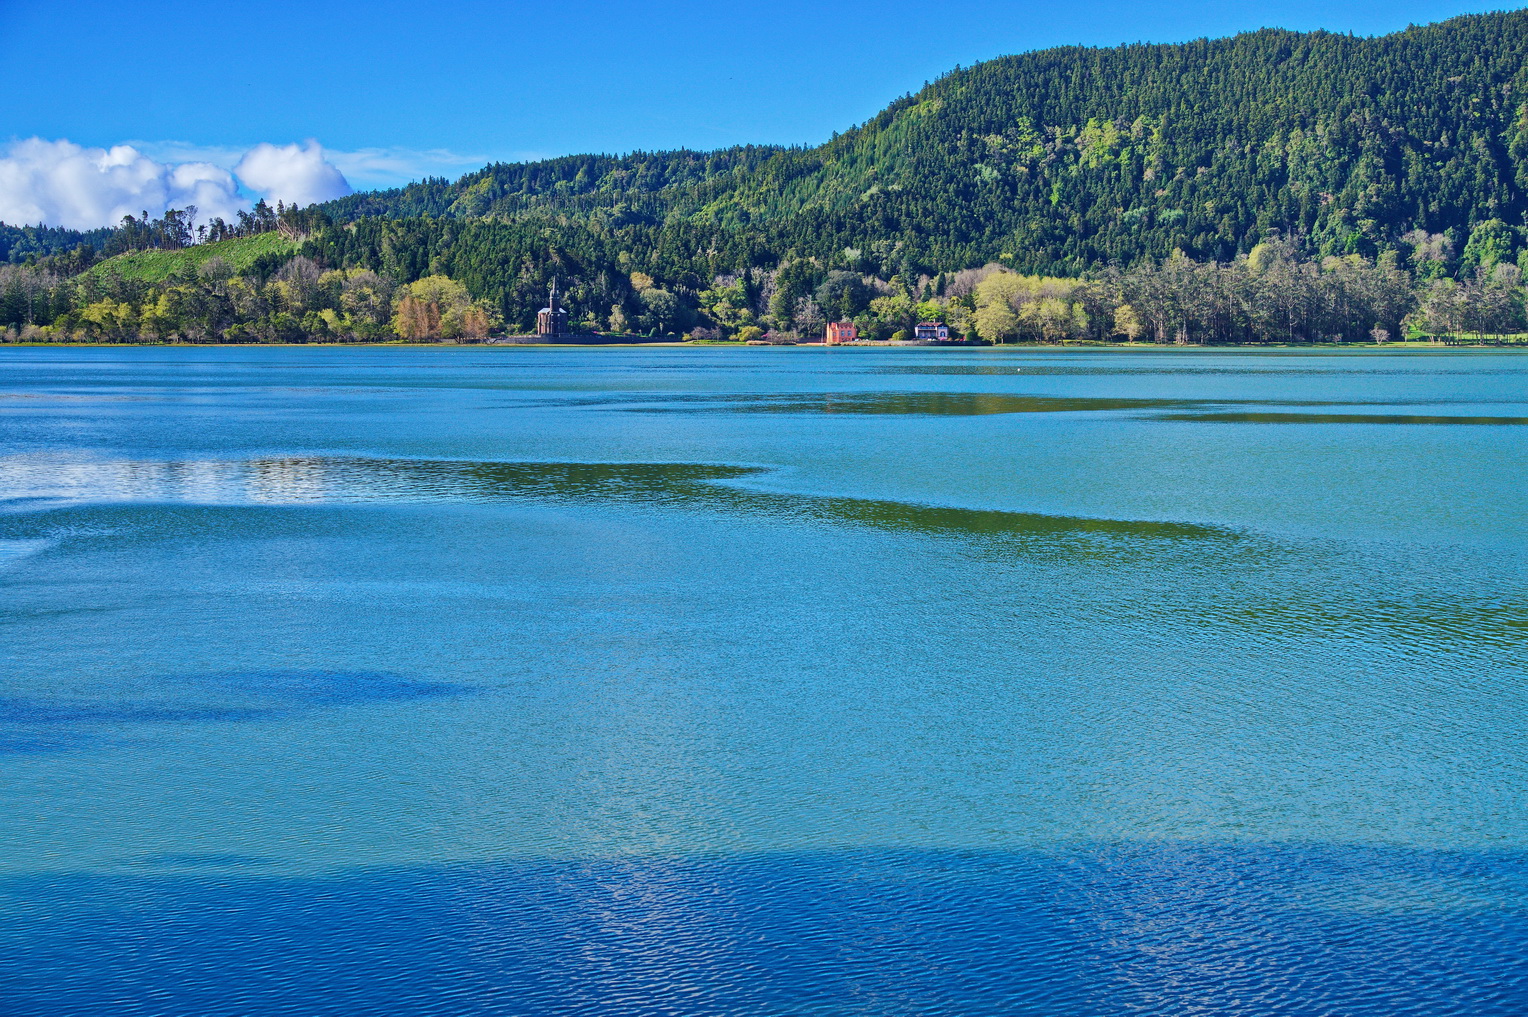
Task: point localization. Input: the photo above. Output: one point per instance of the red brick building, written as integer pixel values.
(842, 332)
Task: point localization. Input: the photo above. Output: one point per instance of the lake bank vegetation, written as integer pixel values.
(352, 287)
(1273, 187)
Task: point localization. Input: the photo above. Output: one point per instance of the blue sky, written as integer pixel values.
(393, 90)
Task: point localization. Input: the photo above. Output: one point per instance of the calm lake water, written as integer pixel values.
(762, 682)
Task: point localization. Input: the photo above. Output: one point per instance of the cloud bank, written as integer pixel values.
(291, 173)
(60, 183)
(363, 168)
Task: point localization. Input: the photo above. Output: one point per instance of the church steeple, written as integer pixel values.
(553, 318)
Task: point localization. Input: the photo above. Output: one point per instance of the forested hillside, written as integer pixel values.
(1060, 160)
(1271, 186)
(19, 243)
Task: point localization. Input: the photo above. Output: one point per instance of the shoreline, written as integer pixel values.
(1393, 347)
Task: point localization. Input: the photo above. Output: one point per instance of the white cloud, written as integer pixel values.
(393, 167)
(292, 173)
(60, 183)
(185, 151)
(63, 184)
(364, 168)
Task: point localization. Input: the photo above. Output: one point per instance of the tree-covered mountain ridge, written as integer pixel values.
(1063, 159)
(1269, 187)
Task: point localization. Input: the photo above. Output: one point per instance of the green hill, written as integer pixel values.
(1066, 158)
(157, 266)
(1407, 154)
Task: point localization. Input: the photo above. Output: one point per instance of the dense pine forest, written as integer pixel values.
(1273, 186)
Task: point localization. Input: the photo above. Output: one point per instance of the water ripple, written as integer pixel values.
(34, 724)
(1159, 930)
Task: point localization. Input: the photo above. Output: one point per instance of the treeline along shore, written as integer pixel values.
(291, 293)
(1273, 187)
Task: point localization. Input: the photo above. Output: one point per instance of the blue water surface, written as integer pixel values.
(767, 681)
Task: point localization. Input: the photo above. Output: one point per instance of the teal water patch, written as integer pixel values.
(1269, 417)
(935, 404)
(199, 861)
(417, 681)
(693, 486)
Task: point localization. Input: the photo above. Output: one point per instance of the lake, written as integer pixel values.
(680, 682)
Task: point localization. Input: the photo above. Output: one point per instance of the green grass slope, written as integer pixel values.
(157, 266)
